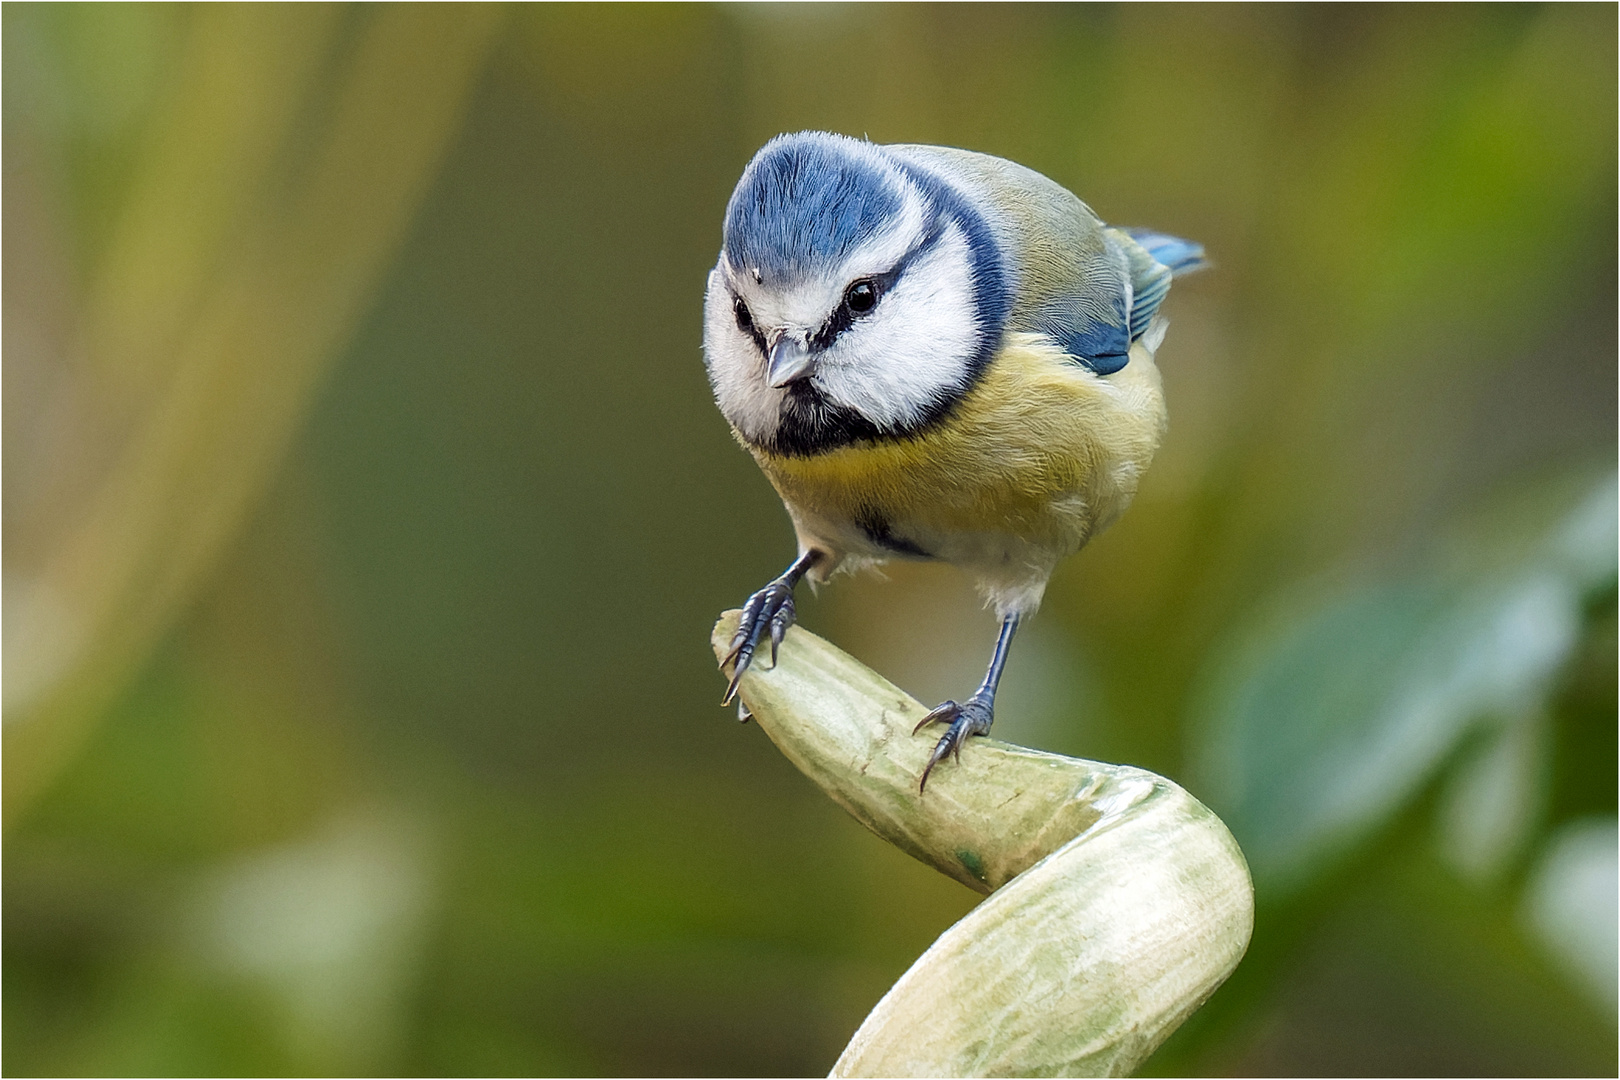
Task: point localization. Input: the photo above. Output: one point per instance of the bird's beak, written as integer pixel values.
(790, 360)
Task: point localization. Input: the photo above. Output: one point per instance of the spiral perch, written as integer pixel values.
(1117, 902)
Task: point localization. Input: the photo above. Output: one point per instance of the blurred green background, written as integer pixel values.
(366, 513)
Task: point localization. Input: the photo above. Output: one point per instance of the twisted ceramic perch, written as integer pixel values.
(1118, 902)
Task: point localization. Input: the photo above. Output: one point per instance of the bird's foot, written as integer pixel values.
(971, 717)
(769, 611)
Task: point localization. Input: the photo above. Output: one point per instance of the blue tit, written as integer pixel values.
(933, 354)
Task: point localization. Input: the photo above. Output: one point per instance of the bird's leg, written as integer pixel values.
(769, 610)
(973, 716)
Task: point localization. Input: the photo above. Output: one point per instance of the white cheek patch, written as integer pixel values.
(892, 366)
(736, 368)
(916, 347)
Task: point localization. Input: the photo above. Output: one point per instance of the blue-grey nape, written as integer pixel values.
(805, 202)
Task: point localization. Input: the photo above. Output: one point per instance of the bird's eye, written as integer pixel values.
(745, 322)
(861, 296)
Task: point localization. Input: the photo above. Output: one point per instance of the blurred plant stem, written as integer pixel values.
(251, 239)
(1119, 902)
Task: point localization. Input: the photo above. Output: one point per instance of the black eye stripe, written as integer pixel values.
(745, 322)
(843, 318)
(840, 320)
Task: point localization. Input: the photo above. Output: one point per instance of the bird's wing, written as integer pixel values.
(1154, 260)
(1091, 288)
(1090, 318)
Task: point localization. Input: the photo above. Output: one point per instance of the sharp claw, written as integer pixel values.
(736, 677)
(965, 720)
(738, 640)
(744, 657)
(933, 759)
(935, 717)
(744, 714)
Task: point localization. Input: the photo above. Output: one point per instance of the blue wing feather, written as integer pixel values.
(1099, 346)
(1149, 261)
(1155, 260)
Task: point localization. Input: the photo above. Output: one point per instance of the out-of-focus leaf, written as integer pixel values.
(1571, 904)
(330, 926)
(1324, 727)
(1493, 801)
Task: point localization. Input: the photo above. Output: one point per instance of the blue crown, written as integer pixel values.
(805, 202)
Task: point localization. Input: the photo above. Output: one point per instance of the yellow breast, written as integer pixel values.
(1040, 449)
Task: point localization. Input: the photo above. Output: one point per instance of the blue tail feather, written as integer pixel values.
(1181, 256)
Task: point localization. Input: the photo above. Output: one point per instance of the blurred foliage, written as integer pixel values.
(366, 513)
(1337, 716)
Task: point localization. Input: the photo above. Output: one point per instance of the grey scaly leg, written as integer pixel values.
(973, 716)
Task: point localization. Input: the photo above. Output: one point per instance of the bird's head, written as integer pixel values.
(855, 296)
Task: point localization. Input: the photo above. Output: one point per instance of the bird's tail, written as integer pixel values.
(1181, 256)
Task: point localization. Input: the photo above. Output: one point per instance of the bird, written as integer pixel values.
(933, 354)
